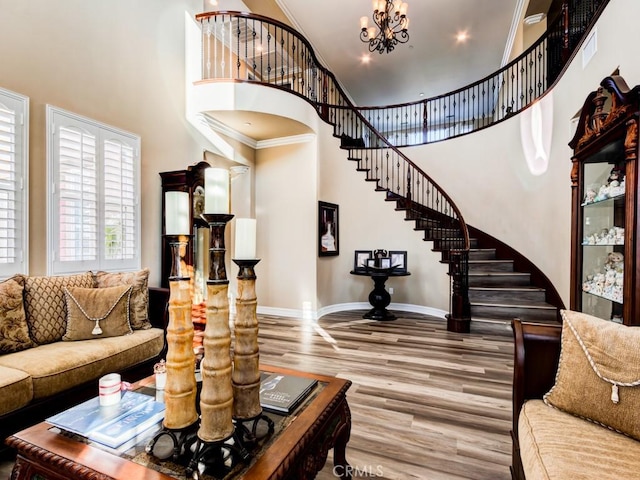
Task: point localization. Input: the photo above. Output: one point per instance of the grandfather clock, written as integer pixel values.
(191, 181)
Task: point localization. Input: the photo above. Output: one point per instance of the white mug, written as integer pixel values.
(110, 388)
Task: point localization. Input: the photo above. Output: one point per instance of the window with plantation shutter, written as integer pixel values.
(14, 109)
(93, 206)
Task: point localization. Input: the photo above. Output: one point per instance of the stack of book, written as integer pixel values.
(283, 393)
(113, 425)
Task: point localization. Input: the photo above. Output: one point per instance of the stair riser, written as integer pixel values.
(489, 254)
(433, 233)
(506, 296)
(508, 313)
(499, 280)
(420, 223)
(492, 266)
(439, 245)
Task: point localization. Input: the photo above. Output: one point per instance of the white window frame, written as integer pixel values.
(19, 104)
(56, 119)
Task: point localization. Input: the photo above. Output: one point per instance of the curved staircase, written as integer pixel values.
(489, 280)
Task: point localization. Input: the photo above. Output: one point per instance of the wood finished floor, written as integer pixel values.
(426, 403)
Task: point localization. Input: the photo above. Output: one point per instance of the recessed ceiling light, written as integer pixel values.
(213, 2)
(462, 36)
(421, 94)
(365, 58)
(248, 124)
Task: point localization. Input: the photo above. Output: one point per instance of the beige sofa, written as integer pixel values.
(576, 400)
(59, 335)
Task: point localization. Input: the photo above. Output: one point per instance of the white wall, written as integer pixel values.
(119, 62)
(368, 222)
(286, 181)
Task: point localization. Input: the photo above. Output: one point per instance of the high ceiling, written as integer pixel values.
(431, 63)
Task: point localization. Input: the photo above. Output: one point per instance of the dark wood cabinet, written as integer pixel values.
(605, 204)
(191, 181)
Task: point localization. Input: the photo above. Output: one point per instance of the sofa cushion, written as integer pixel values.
(14, 332)
(555, 445)
(97, 312)
(58, 366)
(45, 306)
(16, 389)
(598, 375)
(139, 280)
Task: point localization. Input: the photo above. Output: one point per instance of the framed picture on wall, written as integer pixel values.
(360, 260)
(328, 229)
(398, 260)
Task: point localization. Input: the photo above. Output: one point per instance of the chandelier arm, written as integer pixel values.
(392, 29)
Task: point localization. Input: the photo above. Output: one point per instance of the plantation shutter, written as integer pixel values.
(120, 202)
(94, 203)
(77, 196)
(13, 176)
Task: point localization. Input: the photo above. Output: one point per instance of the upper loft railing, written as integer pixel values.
(249, 47)
(495, 97)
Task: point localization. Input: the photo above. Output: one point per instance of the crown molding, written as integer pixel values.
(278, 142)
(219, 127)
(513, 30)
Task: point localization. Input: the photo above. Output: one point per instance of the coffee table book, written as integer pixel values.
(283, 393)
(112, 425)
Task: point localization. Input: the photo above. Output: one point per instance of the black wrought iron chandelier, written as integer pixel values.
(391, 25)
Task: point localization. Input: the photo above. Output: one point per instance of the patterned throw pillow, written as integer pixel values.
(45, 306)
(139, 293)
(14, 332)
(598, 375)
(97, 312)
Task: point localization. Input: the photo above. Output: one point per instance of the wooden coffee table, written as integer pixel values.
(299, 450)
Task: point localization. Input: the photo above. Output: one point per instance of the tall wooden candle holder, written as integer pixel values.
(247, 410)
(181, 417)
(246, 369)
(216, 398)
(180, 390)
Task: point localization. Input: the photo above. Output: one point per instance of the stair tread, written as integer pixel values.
(490, 260)
(540, 306)
(524, 288)
(493, 274)
(508, 322)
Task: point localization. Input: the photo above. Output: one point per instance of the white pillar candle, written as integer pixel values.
(216, 190)
(245, 239)
(176, 213)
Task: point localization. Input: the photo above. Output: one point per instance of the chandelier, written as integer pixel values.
(391, 24)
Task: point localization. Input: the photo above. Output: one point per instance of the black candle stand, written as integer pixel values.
(246, 430)
(219, 456)
(181, 439)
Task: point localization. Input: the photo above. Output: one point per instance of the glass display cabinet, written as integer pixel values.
(604, 183)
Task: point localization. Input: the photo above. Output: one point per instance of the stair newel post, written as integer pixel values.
(459, 317)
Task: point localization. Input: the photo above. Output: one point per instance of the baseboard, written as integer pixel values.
(343, 307)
